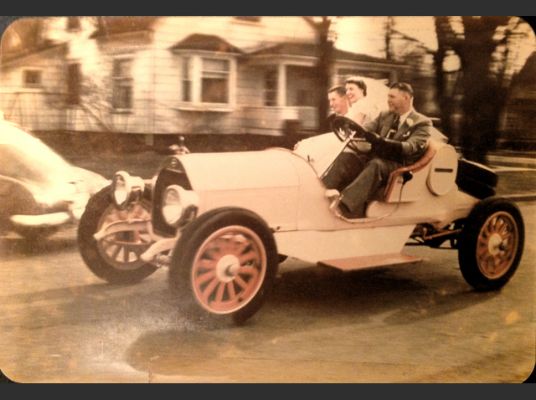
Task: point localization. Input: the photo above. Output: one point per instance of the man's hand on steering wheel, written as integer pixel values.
(346, 128)
(372, 137)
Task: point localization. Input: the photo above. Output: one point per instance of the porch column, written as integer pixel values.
(282, 85)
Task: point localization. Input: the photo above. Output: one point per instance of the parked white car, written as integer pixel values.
(222, 222)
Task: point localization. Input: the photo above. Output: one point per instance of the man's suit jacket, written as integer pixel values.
(413, 133)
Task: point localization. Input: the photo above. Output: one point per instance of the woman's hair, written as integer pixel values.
(358, 82)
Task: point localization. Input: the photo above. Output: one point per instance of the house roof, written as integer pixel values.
(313, 50)
(115, 25)
(199, 41)
(22, 37)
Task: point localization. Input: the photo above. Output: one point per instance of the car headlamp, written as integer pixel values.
(126, 188)
(178, 205)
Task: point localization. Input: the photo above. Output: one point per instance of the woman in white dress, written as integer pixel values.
(362, 109)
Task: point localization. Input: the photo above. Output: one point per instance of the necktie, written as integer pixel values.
(394, 127)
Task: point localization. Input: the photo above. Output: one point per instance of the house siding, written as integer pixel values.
(168, 31)
(156, 106)
(38, 106)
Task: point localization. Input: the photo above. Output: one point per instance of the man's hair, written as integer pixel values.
(358, 82)
(341, 91)
(403, 87)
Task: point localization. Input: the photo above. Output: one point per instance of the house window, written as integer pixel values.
(301, 87)
(186, 80)
(270, 88)
(122, 84)
(73, 23)
(215, 81)
(32, 78)
(207, 82)
(73, 84)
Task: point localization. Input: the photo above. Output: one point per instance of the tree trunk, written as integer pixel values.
(483, 98)
(483, 92)
(324, 72)
(446, 102)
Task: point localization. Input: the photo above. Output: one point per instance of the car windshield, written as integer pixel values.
(26, 157)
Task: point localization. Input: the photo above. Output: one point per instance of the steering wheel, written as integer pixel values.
(345, 128)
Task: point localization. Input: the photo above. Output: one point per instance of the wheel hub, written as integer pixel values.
(495, 244)
(227, 267)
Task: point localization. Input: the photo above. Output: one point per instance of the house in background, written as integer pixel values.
(31, 76)
(171, 75)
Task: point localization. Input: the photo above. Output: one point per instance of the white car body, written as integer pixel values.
(284, 188)
(221, 222)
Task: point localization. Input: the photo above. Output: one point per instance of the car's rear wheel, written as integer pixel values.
(491, 244)
(115, 258)
(226, 261)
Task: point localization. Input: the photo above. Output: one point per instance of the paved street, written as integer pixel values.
(414, 323)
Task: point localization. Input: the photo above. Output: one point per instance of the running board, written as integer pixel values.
(355, 263)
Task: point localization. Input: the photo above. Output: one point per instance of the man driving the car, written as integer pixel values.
(398, 137)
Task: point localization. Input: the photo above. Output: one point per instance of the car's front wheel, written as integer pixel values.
(491, 244)
(226, 261)
(116, 257)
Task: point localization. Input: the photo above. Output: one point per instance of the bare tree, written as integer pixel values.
(389, 24)
(326, 40)
(482, 45)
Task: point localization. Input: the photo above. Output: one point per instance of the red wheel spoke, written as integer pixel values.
(231, 290)
(240, 247)
(207, 292)
(247, 270)
(241, 282)
(223, 245)
(203, 278)
(219, 293)
(206, 263)
(248, 257)
(213, 251)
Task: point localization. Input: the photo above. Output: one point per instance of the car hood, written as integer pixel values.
(240, 170)
(90, 180)
(57, 180)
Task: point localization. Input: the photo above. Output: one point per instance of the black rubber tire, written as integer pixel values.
(193, 238)
(96, 207)
(491, 220)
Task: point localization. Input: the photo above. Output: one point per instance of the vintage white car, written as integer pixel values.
(222, 222)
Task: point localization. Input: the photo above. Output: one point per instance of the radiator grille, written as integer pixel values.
(167, 176)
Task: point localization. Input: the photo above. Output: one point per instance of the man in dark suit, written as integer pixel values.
(398, 137)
